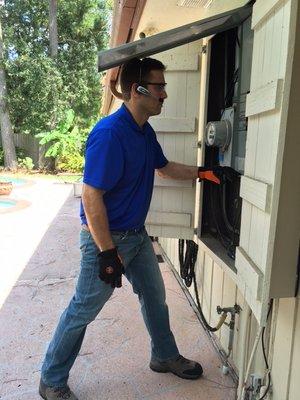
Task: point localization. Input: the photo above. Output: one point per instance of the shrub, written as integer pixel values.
(26, 163)
(21, 155)
(72, 162)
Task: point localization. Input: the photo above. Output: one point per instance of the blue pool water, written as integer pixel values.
(15, 181)
(7, 203)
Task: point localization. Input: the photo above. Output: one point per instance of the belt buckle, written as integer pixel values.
(124, 235)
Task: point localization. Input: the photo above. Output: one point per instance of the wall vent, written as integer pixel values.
(194, 3)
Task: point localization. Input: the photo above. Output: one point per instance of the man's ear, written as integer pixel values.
(134, 92)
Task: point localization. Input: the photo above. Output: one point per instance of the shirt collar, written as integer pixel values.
(126, 114)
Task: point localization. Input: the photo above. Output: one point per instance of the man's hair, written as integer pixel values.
(137, 71)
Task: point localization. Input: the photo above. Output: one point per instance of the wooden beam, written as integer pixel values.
(125, 22)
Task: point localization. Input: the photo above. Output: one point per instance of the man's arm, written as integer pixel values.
(96, 215)
(178, 171)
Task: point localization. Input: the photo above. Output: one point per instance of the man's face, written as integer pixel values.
(156, 86)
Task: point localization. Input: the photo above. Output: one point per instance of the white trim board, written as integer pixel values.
(265, 98)
(184, 62)
(173, 125)
(169, 219)
(255, 192)
(248, 273)
(172, 183)
(261, 9)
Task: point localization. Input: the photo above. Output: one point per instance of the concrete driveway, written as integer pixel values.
(38, 269)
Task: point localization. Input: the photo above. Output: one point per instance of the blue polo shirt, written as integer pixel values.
(121, 158)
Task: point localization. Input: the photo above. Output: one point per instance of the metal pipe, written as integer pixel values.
(246, 313)
(258, 335)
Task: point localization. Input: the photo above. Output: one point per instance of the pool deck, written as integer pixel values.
(39, 266)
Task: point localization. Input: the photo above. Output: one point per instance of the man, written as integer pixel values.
(122, 154)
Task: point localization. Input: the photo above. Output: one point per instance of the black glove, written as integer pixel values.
(217, 174)
(110, 267)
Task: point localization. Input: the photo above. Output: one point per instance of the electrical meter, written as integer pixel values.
(219, 134)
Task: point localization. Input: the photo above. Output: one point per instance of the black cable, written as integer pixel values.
(264, 353)
(187, 262)
(187, 273)
(225, 233)
(206, 324)
(237, 39)
(230, 89)
(224, 211)
(236, 223)
(224, 240)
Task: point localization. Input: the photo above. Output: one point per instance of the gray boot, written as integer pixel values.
(180, 366)
(52, 393)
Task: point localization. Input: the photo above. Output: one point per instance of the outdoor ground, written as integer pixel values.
(38, 269)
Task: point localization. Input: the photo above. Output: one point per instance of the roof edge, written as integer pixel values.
(125, 21)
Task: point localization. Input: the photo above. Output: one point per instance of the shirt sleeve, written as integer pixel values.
(104, 160)
(160, 160)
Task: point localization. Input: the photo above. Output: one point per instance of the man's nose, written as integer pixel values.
(164, 94)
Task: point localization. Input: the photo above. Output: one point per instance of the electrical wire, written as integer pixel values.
(236, 224)
(230, 89)
(264, 354)
(258, 336)
(256, 341)
(224, 240)
(187, 262)
(187, 273)
(224, 211)
(225, 230)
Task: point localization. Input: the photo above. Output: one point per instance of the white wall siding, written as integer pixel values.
(273, 31)
(294, 385)
(216, 288)
(216, 285)
(176, 131)
(286, 354)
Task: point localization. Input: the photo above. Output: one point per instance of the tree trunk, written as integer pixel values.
(10, 158)
(53, 35)
(49, 162)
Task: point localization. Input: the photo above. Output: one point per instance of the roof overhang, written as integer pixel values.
(173, 38)
(127, 14)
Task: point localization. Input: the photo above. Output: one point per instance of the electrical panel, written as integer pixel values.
(230, 132)
(225, 138)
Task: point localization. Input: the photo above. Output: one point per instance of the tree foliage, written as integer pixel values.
(40, 87)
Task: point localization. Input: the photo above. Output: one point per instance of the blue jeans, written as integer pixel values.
(142, 271)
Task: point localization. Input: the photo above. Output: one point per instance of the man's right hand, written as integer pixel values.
(110, 267)
(217, 174)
